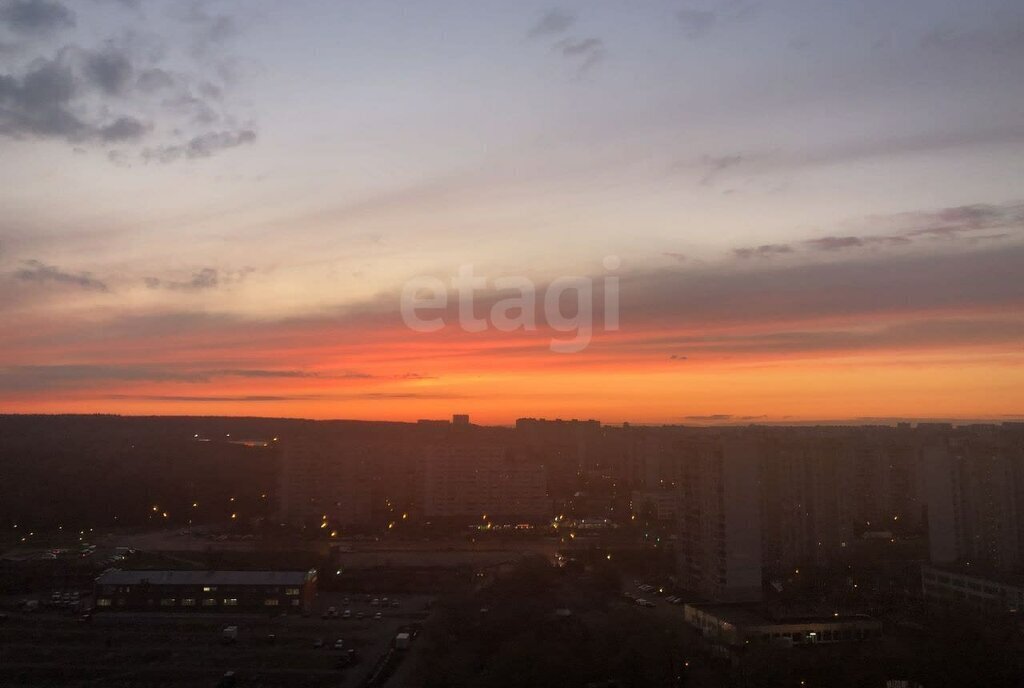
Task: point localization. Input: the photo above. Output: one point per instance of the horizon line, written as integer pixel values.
(709, 422)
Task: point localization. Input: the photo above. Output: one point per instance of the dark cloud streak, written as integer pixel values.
(587, 53)
(202, 146)
(40, 273)
(35, 17)
(552, 23)
(206, 278)
(78, 376)
(763, 251)
(696, 23)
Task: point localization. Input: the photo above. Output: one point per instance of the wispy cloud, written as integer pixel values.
(696, 23)
(79, 376)
(699, 21)
(970, 223)
(585, 53)
(207, 278)
(839, 243)
(552, 23)
(202, 146)
(266, 398)
(763, 251)
(714, 165)
(713, 169)
(37, 272)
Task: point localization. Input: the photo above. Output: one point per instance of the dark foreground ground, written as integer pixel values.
(123, 649)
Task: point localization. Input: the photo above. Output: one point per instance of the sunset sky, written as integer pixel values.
(815, 210)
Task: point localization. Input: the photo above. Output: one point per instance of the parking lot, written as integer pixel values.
(57, 648)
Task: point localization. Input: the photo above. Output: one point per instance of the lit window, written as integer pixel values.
(103, 602)
(188, 602)
(208, 588)
(291, 591)
(231, 601)
(271, 602)
(209, 602)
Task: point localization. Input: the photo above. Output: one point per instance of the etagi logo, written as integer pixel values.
(518, 311)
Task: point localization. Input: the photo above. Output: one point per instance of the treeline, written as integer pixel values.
(510, 634)
(99, 471)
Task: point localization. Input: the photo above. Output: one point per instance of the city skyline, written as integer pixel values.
(213, 208)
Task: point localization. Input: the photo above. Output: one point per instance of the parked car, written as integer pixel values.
(339, 644)
(378, 617)
(347, 614)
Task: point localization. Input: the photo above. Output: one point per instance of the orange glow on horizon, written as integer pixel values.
(959, 365)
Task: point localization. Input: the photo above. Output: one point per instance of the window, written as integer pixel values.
(208, 588)
(103, 602)
(209, 602)
(167, 602)
(271, 602)
(188, 602)
(231, 601)
(291, 591)
(295, 603)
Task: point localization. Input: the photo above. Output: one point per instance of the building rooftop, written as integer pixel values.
(744, 615)
(205, 577)
(737, 615)
(978, 573)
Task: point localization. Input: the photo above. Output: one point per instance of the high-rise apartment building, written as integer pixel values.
(720, 522)
(481, 481)
(325, 480)
(973, 503)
